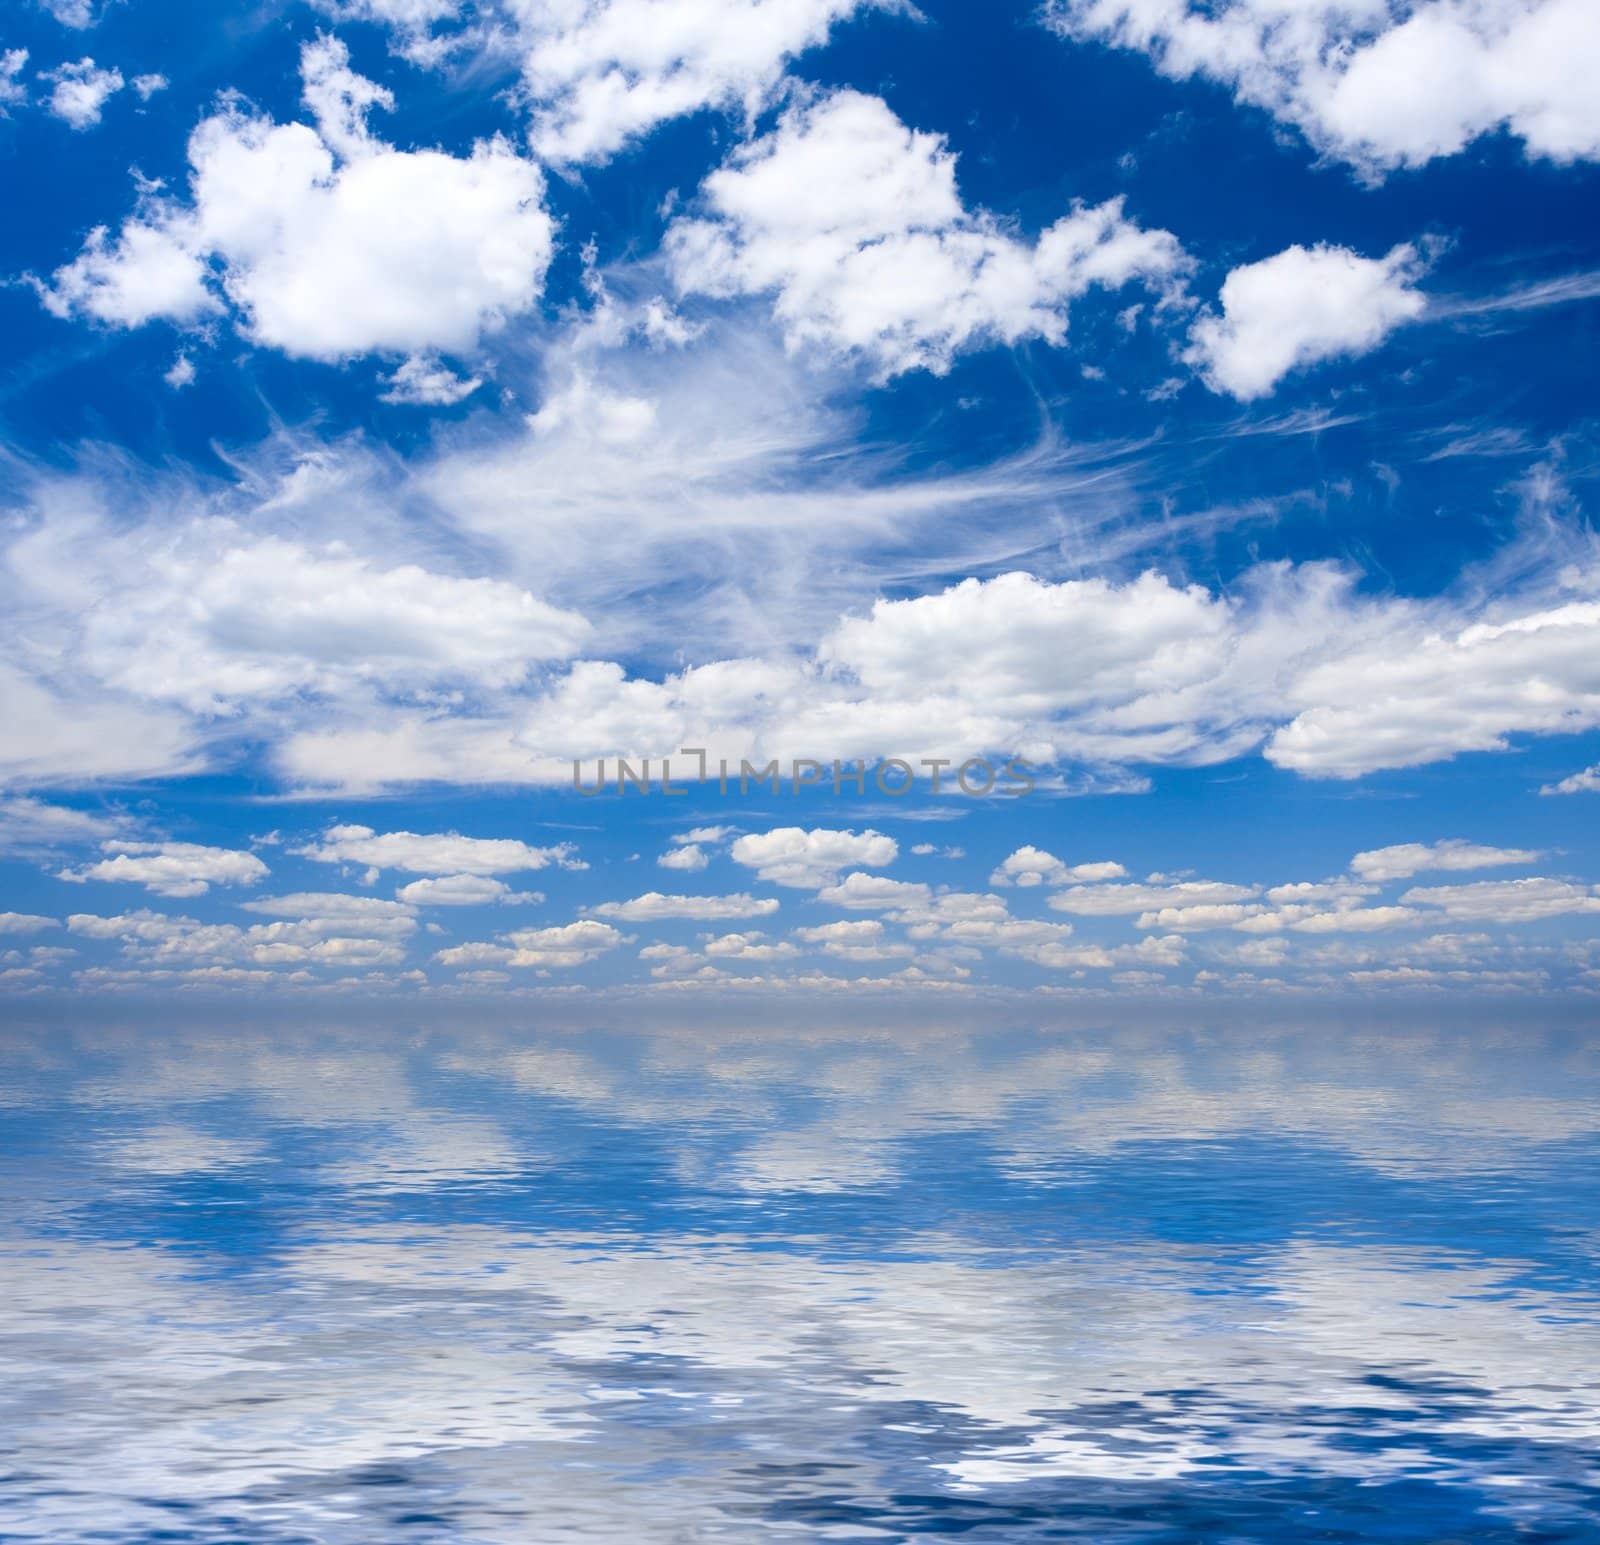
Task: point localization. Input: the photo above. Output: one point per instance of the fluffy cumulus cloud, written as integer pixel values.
(464, 890)
(77, 14)
(1086, 670)
(966, 924)
(601, 73)
(13, 93)
(559, 948)
(37, 826)
(688, 851)
(1507, 901)
(1585, 782)
(1379, 83)
(1123, 900)
(754, 947)
(863, 940)
(1298, 308)
(146, 636)
(210, 618)
(329, 905)
(1295, 662)
(874, 893)
(690, 858)
(330, 242)
(1030, 866)
(199, 949)
(67, 731)
(853, 223)
(790, 855)
(1408, 858)
(79, 91)
(653, 906)
(25, 922)
(1427, 694)
(423, 382)
(1160, 934)
(1353, 920)
(171, 868)
(437, 854)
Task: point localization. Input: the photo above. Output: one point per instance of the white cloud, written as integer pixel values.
(397, 13)
(546, 949)
(80, 91)
(171, 868)
(1124, 900)
(25, 922)
(342, 942)
(873, 893)
(180, 373)
(1408, 858)
(654, 907)
(1334, 684)
(443, 853)
(790, 506)
(1165, 952)
(1301, 307)
(1012, 935)
(1379, 83)
(316, 941)
(790, 855)
(690, 857)
(1331, 676)
(754, 947)
(573, 944)
(460, 956)
(144, 926)
(148, 85)
(29, 825)
(76, 14)
(424, 382)
(413, 21)
(464, 890)
(1355, 920)
(853, 222)
(1415, 693)
(1267, 954)
(1318, 892)
(1507, 901)
(12, 92)
(1030, 866)
(991, 651)
(210, 618)
(1198, 916)
(331, 242)
(1585, 782)
(589, 412)
(146, 273)
(331, 906)
(600, 73)
(865, 940)
(954, 907)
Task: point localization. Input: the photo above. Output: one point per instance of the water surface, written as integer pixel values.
(337, 1283)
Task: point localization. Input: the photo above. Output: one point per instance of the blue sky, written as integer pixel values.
(403, 399)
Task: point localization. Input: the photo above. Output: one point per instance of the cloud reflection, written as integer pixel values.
(345, 1284)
